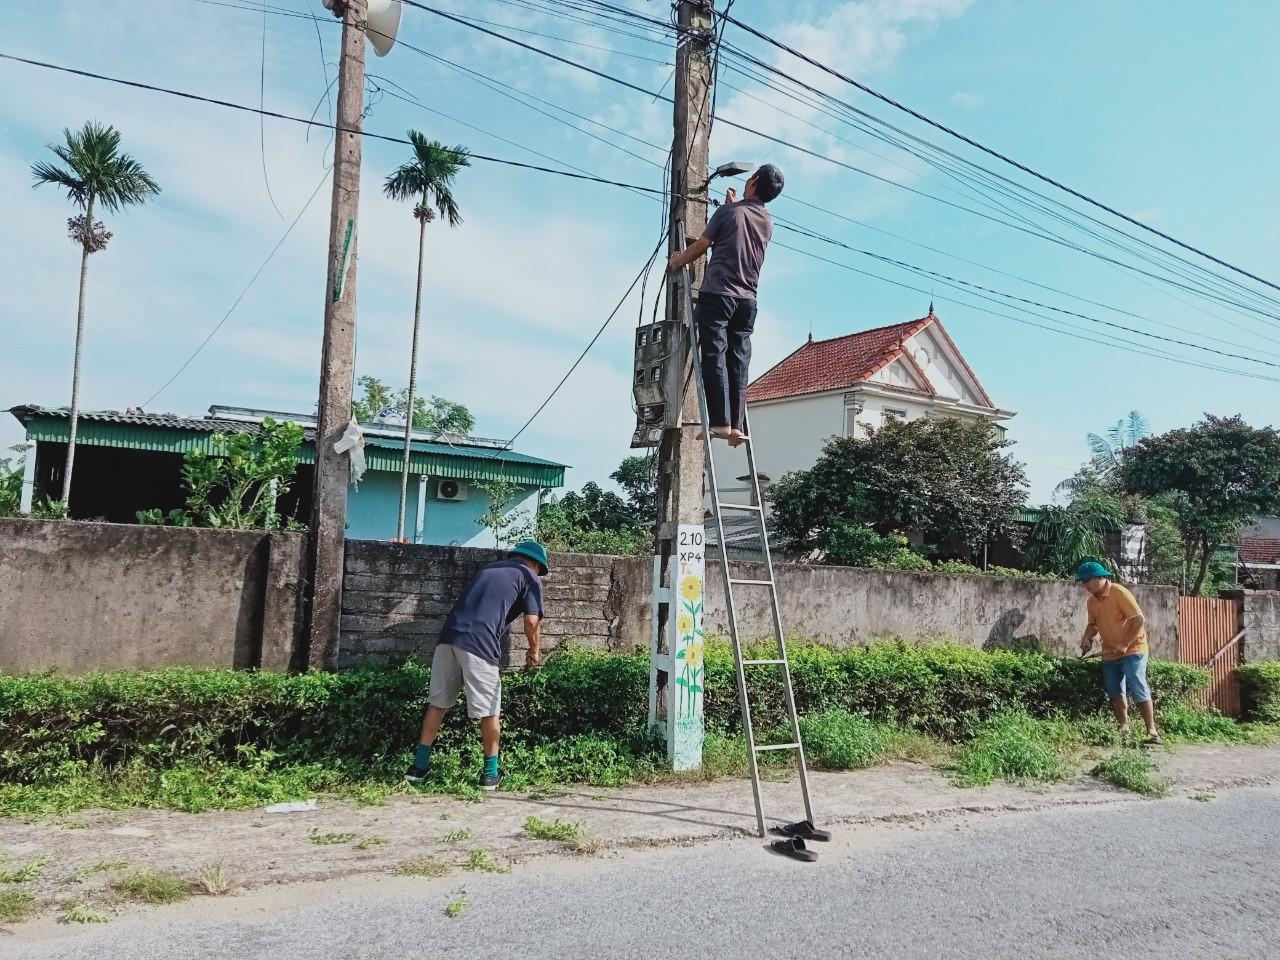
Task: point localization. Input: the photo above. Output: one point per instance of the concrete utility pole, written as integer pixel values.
(329, 509)
(680, 545)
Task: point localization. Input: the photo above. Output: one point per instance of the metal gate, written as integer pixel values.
(1209, 636)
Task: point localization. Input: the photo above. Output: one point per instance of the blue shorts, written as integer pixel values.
(1130, 672)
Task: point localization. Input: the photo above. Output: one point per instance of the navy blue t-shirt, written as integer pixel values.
(498, 594)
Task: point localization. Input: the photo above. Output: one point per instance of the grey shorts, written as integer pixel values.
(454, 670)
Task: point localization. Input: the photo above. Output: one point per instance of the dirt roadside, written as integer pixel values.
(83, 854)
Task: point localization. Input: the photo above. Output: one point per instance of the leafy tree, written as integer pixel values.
(947, 480)
(593, 521)
(1066, 536)
(238, 485)
(437, 415)
(1214, 475)
(11, 474)
(426, 179)
(508, 526)
(94, 173)
(855, 545)
(638, 477)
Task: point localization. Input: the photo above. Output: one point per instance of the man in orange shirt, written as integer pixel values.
(1114, 615)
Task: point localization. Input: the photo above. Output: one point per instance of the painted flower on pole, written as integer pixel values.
(689, 630)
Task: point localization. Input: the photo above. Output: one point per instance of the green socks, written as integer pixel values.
(491, 766)
(422, 756)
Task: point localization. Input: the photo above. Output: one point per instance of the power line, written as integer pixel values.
(317, 123)
(1009, 296)
(820, 156)
(988, 150)
(247, 287)
(592, 342)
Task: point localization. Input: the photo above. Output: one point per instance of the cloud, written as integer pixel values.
(967, 101)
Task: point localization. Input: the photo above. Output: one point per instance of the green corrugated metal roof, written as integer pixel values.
(179, 435)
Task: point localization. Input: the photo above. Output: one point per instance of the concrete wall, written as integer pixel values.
(79, 596)
(397, 596)
(1260, 618)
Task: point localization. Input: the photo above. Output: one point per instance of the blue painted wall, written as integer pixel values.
(371, 513)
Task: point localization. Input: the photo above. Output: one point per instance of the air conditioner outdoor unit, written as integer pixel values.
(451, 490)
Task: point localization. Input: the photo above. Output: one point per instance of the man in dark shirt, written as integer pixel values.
(726, 314)
(470, 649)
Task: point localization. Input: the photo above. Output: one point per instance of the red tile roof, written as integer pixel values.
(1259, 550)
(822, 365)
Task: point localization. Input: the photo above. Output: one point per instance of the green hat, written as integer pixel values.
(1092, 570)
(534, 551)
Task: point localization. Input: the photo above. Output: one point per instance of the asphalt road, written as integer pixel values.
(1173, 878)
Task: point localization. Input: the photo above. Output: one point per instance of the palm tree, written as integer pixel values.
(427, 179)
(1109, 450)
(95, 173)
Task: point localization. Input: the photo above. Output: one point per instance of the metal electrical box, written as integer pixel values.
(654, 350)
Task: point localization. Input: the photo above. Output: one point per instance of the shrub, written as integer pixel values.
(1260, 685)
(839, 740)
(1198, 725)
(582, 712)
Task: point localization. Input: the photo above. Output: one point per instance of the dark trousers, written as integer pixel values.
(724, 335)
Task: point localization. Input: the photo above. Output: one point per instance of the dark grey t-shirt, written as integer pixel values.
(739, 233)
(498, 594)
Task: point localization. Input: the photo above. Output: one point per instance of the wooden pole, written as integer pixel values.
(329, 508)
(680, 536)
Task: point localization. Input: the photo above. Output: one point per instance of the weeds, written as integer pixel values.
(456, 836)
(29, 871)
(83, 913)
(216, 879)
(368, 843)
(1015, 746)
(102, 866)
(482, 861)
(329, 838)
(588, 845)
(536, 828)
(430, 867)
(152, 886)
(1204, 797)
(1132, 770)
(453, 909)
(15, 905)
(839, 740)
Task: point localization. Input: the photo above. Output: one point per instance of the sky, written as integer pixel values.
(1163, 110)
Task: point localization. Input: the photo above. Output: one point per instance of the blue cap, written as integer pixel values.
(534, 551)
(1091, 571)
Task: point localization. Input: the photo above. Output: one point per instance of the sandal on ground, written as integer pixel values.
(803, 829)
(795, 848)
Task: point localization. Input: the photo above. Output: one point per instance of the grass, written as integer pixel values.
(31, 870)
(482, 861)
(1181, 723)
(535, 828)
(839, 740)
(1204, 797)
(453, 909)
(1017, 747)
(1132, 770)
(83, 913)
(102, 866)
(329, 838)
(368, 843)
(152, 886)
(216, 880)
(430, 867)
(456, 836)
(588, 845)
(15, 905)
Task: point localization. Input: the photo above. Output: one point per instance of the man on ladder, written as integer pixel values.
(737, 235)
(722, 324)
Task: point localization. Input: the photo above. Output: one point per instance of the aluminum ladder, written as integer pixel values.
(768, 584)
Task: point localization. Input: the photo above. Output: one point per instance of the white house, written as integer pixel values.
(839, 387)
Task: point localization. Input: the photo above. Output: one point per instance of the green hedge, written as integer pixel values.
(363, 720)
(1260, 685)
